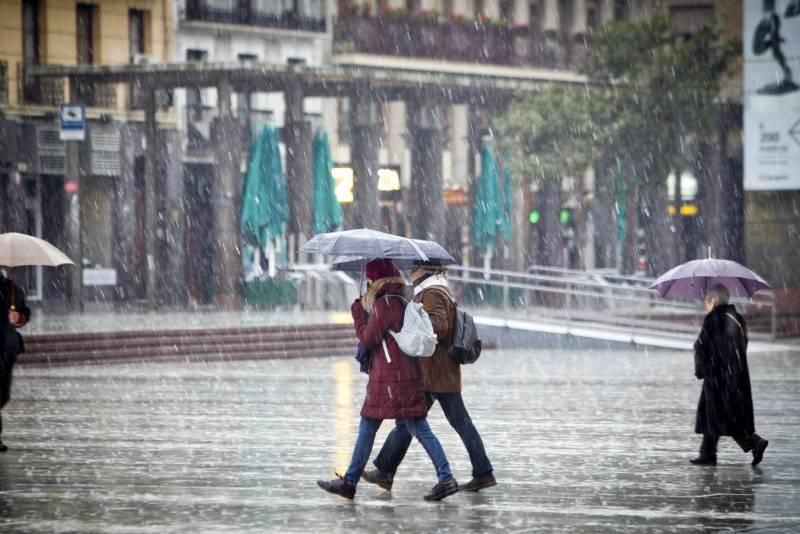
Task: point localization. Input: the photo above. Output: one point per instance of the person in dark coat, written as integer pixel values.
(394, 389)
(14, 313)
(720, 361)
(441, 378)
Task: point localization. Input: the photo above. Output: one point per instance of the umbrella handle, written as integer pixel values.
(13, 291)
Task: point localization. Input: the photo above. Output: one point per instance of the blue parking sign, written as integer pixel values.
(73, 122)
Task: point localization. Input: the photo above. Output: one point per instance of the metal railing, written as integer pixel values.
(571, 297)
(585, 297)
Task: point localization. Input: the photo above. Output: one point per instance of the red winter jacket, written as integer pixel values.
(394, 388)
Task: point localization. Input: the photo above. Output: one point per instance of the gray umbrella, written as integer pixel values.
(690, 280)
(366, 244)
(437, 255)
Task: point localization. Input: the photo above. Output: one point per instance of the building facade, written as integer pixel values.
(81, 196)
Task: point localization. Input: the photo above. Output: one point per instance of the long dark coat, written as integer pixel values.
(720, 356)
(394, 388)
(10, 340)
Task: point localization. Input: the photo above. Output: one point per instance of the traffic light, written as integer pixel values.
(533, 217)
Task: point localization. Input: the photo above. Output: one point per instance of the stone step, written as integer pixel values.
(189, 345)
(219, 339)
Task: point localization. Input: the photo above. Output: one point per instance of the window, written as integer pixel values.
(136, 49)
(622, 9)
(689, 19)
(85, 27)
(30, 47)
(136, 32)
(194, 103)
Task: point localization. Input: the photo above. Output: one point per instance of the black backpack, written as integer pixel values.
(467, 344)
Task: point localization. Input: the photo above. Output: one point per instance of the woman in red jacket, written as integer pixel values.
(394, 389)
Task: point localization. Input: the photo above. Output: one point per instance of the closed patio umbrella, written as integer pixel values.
(327, 211)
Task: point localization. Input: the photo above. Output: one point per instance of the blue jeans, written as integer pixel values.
(394, 450)
(419, 428)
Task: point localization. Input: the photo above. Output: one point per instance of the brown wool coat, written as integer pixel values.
(440, 373)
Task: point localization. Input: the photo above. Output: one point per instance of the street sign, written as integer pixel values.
(73, 122)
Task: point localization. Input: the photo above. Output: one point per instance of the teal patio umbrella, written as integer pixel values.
(328, 215)
(265, 210)
(487, 212)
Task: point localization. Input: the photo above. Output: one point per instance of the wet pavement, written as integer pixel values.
(581, 442)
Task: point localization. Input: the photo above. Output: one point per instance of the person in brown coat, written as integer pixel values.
(441, 378)
(394, 389)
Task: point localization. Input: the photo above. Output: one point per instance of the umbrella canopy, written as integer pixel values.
(435, 252)
(327, 211)
(487, 213)
(22, 249)
(691, 280)
(364, 243)
(265, 209)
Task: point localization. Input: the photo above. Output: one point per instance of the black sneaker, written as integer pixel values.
(379, 478)
(442, 490)
(3, 448)
(480, 482)
(338, 486)
(704, 460)
(758, 452)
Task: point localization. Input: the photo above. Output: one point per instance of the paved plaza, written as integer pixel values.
(581, 441)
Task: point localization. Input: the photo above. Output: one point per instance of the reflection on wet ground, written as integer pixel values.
(581, 442)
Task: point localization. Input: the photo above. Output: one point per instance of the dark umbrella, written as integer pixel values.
(437, 255)
(364, 243)
(691, 280)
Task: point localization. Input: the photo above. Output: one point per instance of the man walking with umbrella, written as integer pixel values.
(726, 403)
(14, 313)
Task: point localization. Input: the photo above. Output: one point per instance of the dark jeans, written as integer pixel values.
(708, 447)
(396, 445)
(418, 427)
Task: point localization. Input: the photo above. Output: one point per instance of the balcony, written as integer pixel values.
(253, 14)
(463, 41)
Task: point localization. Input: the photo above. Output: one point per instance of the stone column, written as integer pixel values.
(521, 27)
(76, 163)
(427, 201)
(579, 31)
(465, 8)
(606, 11)
(491, 9)
(125, 213)
(150, 195)
(459, 145)
(171, 229)
(552, 17)
(297, 138)
(226, 139)
(364, 145)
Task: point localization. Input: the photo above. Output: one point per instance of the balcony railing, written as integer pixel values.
(237, 13)
(472, 42)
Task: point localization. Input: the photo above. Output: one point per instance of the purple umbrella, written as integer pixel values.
(690, 280)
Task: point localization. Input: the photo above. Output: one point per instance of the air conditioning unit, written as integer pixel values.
(143, 59)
